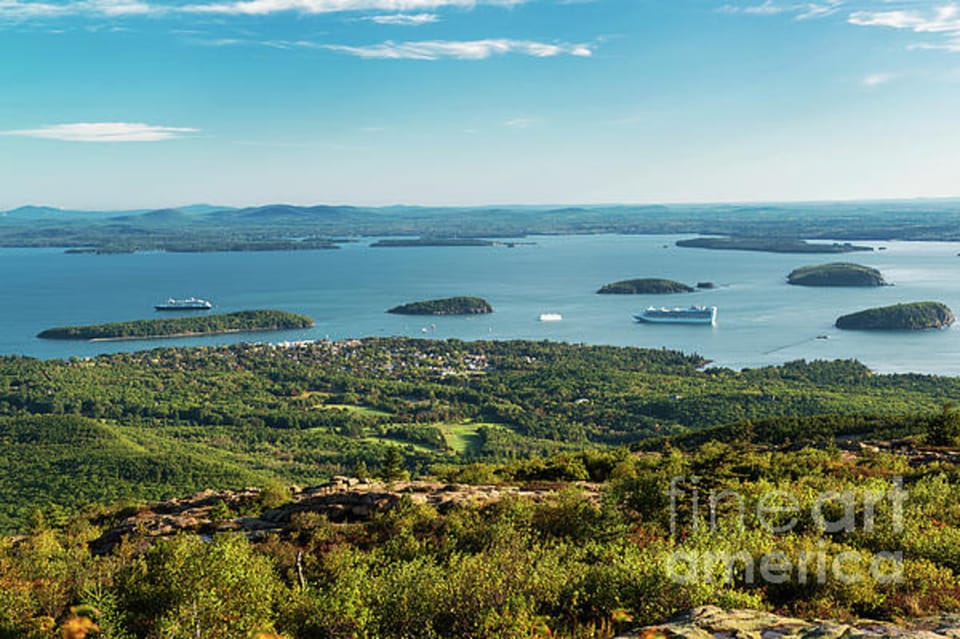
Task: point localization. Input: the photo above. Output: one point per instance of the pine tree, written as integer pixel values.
(391, 468)
(944, 428)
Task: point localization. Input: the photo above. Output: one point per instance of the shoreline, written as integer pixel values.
(185, 334)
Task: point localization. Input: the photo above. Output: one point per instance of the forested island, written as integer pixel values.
(445, 241)
(836, 274)
(432, 241)
(645, 286)
(770, 245)
(445, 306)
(238, 322)
(914, 316)
(509, 489)
(208, 245)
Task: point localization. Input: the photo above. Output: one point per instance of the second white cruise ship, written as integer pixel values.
(693, 315)
(190, 304)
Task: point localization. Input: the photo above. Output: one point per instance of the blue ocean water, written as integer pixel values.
(762, 320)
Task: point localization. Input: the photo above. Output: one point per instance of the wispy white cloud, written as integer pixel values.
(404, 19)
(937, 19)
(264, 7)
(401, 11)
(423, 50)
(878, 79)
(799, 10)
(20, 10)
(460, 49)
(104, 132)
(520, 123)
(769, 7)
(943, 21)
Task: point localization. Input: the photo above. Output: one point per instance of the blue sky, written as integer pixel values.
(150, 103)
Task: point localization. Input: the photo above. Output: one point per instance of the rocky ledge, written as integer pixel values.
(710, 622)
(343, 500)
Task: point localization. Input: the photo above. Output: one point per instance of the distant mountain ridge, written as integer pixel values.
(31, 210)
(283, 226)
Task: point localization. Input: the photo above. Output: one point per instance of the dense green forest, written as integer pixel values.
(84, 442)
(565, 566)
(913, 316)
(240, 321)
(163, 422)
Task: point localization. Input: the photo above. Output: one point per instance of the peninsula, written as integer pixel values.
(239, 322)
(836, 274)
(769, 245)
(446, 306)
(915, 316)
(645, 286)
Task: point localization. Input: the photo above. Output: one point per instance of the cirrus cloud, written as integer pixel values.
(413, 11)
(104, 132)
(404, 19)
(460, 49)
(943, 21)
(265, 7)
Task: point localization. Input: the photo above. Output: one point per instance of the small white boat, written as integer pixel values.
(550, 317)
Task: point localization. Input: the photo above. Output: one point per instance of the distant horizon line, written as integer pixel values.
(851, 200)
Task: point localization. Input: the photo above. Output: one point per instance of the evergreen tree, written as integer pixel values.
(944, 428)
(391, 468)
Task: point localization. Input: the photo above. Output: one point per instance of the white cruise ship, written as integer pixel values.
(693, 315)
(190, 304)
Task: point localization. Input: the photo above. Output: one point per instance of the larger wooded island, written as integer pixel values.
(914, 317)
(446, 306)
(836, 274)
(645, 286)
(769, 245)
(239, 322)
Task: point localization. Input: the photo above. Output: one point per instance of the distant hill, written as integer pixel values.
(52, 212)
(286, 212)
(31, 212)
(203, 209)
(790, 228)
(158, 217)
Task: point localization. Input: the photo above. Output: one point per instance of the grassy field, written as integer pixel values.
(463, 437)
(359, 410)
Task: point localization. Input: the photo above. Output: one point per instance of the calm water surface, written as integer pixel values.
(761, 319)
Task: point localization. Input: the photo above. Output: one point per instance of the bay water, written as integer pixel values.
(762, 320)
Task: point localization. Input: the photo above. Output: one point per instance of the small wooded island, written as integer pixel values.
(645, 286)
(769, 245)
(239, 322)
(446, 306)
(915, 316)
(836, 274)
